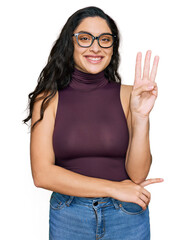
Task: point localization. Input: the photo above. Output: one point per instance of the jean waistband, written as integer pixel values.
(93, 202)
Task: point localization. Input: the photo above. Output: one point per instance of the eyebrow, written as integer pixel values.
(83, 32)
(92, 34)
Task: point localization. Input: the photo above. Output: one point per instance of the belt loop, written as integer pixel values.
(69, 200)
(115, 203)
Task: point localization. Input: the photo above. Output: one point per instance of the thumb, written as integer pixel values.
(150, 181)
(144, 88)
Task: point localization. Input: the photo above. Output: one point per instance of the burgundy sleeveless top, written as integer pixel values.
(90, 134)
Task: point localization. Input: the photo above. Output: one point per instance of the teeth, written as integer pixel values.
(94, 58)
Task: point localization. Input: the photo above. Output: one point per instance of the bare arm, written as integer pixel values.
(142, 99)
(44, 171)
(139, 158)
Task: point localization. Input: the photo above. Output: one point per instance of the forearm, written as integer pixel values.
(64, 181)
(139, 157)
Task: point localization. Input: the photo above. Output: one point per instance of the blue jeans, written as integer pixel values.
(79, 218)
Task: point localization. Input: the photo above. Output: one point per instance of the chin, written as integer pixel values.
(93, 69)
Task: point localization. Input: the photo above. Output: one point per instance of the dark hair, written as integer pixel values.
(57, 73)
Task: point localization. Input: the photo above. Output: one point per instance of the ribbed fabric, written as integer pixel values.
(91, 135)
(86, 82)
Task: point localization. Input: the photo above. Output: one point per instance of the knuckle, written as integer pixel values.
(138, 194)
(138, 187)
(148, 195)
(144, 206)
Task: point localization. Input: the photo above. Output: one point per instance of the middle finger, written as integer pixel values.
(145, 199)
(147, 65)
(146, 193)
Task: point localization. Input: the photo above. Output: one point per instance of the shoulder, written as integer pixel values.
(125, 93)
(126, 90)
(50, 110)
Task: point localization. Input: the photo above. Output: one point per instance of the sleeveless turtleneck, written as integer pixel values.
(86, 81)
(90, 135)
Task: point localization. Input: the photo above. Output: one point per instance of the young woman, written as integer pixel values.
(90, 134)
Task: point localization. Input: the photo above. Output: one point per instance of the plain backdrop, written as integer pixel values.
(28, 30)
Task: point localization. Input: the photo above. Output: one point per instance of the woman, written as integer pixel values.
(90, 134)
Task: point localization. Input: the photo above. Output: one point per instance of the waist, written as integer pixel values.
(109, 168)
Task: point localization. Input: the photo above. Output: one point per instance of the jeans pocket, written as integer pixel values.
(131, 208)
(57, 201)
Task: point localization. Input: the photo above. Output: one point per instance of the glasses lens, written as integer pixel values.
(84, 39)
(106, 40)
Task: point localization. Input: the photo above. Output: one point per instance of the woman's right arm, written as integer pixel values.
(55, 178)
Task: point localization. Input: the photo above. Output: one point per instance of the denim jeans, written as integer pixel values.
(106, 218)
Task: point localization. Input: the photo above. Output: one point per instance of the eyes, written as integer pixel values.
(89, 38)
(105, 39)
(82, 38)
(85, 39)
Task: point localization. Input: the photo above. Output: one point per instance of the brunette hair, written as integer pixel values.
(57, 73)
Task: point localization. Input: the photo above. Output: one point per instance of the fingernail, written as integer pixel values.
(149, 53)
(150, 87)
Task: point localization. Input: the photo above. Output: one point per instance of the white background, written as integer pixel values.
(28, 30)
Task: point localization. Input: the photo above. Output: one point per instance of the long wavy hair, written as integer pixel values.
(57, 73)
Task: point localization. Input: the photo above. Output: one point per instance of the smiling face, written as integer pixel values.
(93, 59)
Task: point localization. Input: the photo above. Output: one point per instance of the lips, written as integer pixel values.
(94, 59)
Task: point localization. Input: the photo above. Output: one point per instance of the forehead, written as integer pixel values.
(94, 25)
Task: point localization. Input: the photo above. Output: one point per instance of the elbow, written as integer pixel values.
(135, 177)
(37, 184)
(138, 181)
(37, 179)
(139, 175)
(41, 177)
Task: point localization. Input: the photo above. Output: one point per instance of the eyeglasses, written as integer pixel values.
(85, 39)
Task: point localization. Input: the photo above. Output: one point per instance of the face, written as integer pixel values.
(93, 59)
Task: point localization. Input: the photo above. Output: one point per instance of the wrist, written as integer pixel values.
(109, 188)
(138, 119)
(140, 125)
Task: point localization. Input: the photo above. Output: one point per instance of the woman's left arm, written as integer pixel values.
(142, 99)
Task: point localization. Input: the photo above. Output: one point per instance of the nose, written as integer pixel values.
(95, 47)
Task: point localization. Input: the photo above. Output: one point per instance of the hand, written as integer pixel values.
(129, 191)
(145, 89)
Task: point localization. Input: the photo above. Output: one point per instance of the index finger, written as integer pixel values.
(151, 181)
(147, 65)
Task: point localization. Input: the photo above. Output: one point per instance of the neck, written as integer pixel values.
(86, 81)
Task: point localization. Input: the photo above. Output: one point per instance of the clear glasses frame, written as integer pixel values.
(93, 38)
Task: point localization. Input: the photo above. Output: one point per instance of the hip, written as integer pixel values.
(74, 217)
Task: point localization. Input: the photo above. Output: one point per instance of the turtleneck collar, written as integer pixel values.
(87, 81)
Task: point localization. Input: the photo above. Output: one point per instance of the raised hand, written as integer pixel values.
(145, 89)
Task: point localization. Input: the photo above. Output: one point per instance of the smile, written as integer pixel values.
(94, 59)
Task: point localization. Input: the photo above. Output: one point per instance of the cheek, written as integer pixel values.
(76, 57)
(109, 54)
(77, 54)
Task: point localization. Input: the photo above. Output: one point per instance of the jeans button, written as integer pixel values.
(95, 203)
